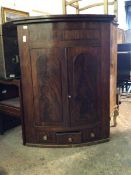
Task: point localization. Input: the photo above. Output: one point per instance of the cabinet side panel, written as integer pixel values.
(105, 78)
(26, 83)
(113, 68)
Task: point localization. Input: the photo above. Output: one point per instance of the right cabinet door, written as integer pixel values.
(84, 85)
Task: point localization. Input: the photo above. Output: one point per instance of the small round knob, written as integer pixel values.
(69, 96)
(92, 134)
(45, 137)
(70, 139)
(13, 60)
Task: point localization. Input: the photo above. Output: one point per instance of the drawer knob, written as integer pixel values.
(70, 139)
(45, 137)
(69, 96)
(92, 134)
(4, 91)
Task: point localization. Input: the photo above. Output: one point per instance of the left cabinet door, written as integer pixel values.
(47, 78)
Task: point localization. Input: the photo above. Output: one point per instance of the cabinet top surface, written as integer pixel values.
(65, 18)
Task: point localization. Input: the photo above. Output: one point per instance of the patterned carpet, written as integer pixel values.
(110, 158)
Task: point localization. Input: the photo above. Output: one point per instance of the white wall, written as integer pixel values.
(122, 14)
(100, 10)
(34, 7)
(41, 7)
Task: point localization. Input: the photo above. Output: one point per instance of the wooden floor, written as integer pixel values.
(110, 158)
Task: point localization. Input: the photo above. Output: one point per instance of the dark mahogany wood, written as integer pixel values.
(68, 69)
(9, 55)
(83, 72)
(10, 108)
(47, 85)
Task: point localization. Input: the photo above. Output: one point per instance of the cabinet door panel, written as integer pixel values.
(84, 91)
(47, 86)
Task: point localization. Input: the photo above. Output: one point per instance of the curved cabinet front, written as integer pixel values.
(65, 67)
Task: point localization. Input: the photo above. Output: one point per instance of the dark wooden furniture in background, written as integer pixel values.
(124, 66)
(10, 112)
(68, 67)
(9, 54)
(128, 13)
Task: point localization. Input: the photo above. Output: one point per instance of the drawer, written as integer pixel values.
(68, 138)
(46, 137)
(92, 134)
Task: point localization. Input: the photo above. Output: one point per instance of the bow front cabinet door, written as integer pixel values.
(68, 76)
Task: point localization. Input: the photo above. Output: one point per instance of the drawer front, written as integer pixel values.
(46, 138)
(92, 134)
(68, 138)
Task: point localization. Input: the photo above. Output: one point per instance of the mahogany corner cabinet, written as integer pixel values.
(68, 71)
